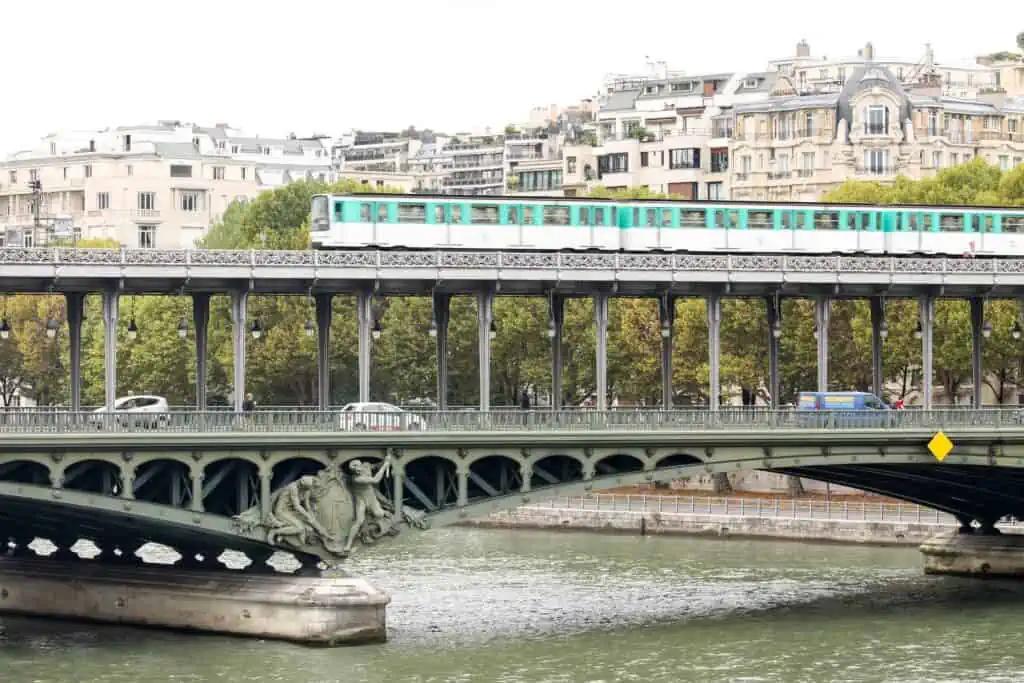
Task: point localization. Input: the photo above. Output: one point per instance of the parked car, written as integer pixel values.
(378, 417)
(135, 411)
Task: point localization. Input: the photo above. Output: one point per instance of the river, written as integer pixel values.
(488, 606)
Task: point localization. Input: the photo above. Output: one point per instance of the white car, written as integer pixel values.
(136, 411)
(378, 417)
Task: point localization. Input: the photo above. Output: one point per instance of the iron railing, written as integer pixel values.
(313, 420)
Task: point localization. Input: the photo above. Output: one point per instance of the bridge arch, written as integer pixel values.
(619, 462)
(493, 475)
(167, 481)
(552, 469)
(26, 471)
(93, 475)
(431, 482)
(230, 486)
(284, 472)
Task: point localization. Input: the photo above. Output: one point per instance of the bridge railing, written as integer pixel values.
(312, 420)
(816, 509)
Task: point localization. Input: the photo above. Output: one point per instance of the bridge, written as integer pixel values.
(292, 481)
(556, 276)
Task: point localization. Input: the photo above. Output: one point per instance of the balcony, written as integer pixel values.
(883, 170)
(805, 172)
(145, 213)
(876, 129)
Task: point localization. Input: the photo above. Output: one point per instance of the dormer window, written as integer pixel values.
(750, 83)
(876, 120)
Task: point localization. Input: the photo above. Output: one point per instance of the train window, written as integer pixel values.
(801, 220)
(486, 214)
(926, 222)
(986, 224)
(527, 215)
(787, 220)
(456, 213)
(652, 217)
(666, 218)
(826, 220)
(412, 213)
(556, 215)
(913, 223)
(382, 213)
(600, 216)
(364, 213)
(760, 219)
(692, 219)
(513, 215)
(1013, 224)
(949, 222)
(439, 215)
(732, 218)
(339, 211)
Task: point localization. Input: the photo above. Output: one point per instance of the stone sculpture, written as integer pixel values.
(325, 514)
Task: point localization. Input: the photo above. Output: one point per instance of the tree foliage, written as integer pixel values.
(282, 365)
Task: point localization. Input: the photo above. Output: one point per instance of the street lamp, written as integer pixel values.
(432, 330)
(986, 330)
(1016, 331)
(883, 330)
(817, 332)
(777, 328)
(133, 329)
(551, 328)
(5, 328)
(51, 328)
(182, 328)
(310, 328)
(918, 331)
(376, 331)
(666, 331)
(493, 332)
(256, 330)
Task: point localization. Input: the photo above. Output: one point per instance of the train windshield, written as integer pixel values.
(320, 215)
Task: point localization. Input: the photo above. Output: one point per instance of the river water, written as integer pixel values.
(489, 606)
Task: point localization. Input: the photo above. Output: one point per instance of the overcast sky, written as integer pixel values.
(328, 66)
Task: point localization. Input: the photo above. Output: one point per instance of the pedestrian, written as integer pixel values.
(248, 407)
(524, 400)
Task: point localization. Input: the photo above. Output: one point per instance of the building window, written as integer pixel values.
(130, 170)
(719, 160)
(181, 171)
(715, 192)
(683, 158)
(245, 175)
(14, 177)
(876, 161)
(88, 170)
(147, 237)
(33, 175)
(936, 159)
(933, 124)
(613, 163)
(191, 202)
(841, 74)
(27, 239)
(65, 173)
(102, 200)
(147, 202)
(570, 165)
(53, 149)
(218, 173)
(1004, 162)
(644, 159)
(876, 120)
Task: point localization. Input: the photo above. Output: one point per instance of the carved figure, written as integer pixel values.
(325, 514)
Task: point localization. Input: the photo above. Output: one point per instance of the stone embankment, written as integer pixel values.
(778, 519)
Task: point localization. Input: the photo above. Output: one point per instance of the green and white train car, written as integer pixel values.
(383, 221)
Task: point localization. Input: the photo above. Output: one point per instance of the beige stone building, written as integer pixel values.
(151, 186)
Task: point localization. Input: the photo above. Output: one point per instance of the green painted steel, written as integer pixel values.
(305, 420)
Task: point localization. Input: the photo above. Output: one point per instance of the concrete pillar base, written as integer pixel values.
(313, 610)
(978, 555)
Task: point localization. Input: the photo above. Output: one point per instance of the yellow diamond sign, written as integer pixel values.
(940, 446)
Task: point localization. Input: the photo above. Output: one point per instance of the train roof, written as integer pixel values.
(520, 199)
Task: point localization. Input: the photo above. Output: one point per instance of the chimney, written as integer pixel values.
(868, 52)
(803, 49)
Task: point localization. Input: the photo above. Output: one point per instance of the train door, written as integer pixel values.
(886, 221)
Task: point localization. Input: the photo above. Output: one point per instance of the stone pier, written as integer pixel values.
(975, 554)
(313, 610)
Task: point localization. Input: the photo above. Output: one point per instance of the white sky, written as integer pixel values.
(305, 65)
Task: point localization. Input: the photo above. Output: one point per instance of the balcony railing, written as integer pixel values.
(884, 170)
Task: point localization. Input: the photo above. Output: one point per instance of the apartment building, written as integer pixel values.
(668, 131)
(146, 186)
(777, 134)
(799, 146)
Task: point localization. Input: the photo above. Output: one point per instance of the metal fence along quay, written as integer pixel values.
(761, 508)
(314, 420)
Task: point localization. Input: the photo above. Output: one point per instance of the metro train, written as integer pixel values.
(392, 221)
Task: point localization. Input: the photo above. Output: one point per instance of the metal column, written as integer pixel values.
(75, 302)
(442, 311)
(201, 322)
(110, 300)
(774, 314)
(557, 305)
(485, 314)
(239, 301)
(821, 320)
(601, 349)
(667, 317)
(323, 350)
(877, 368)
(714, 306)
(927, 313)
(977, 348)
(364, 314)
